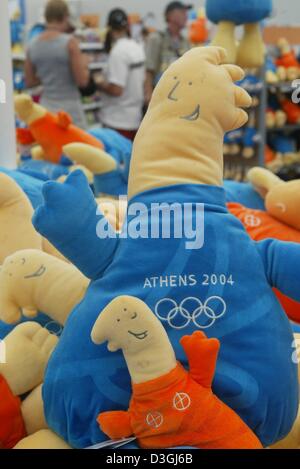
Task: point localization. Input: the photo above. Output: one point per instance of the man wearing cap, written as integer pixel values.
(163, 48)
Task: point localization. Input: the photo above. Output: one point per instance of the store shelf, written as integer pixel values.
(284, 86)
(97, 65)
(91, 46)
(92, 106)
(285, 128)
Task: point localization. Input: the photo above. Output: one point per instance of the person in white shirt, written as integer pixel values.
(123, 80)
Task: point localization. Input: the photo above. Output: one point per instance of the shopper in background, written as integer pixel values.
(163, 48)
(55, 61)
(122, 82)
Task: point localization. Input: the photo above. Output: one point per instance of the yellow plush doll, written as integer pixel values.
(187, 411)
(32, 281)
(50, 131)
(281, 198)
(26, 351)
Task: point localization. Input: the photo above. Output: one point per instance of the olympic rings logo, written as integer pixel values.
(203, 315)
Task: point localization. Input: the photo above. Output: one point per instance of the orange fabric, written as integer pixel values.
(178, 410)
(260, 225)
(292, 111)
(198, 32)
(12, 428)
(52, 132)
(287, 60)
(24, 137)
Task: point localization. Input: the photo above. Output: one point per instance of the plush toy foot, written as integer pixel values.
(33, 412)
(263, 180)
(38, 153)
(94, 159)
(28, 348)
(251, 50)
(44, 439)
(225, 37)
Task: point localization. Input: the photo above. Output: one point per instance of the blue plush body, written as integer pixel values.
(238, 11)
(229, 280)
(243, 193)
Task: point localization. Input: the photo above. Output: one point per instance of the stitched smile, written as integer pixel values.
(194, 116)
(140, 336)
(41, 270)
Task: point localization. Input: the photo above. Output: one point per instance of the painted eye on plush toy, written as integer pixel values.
(23, 260)
(118, 320)
(134, 316)
(190, 83)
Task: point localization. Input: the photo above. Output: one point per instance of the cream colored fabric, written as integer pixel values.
(35, 281)
(28, 111)
(44, 439)
(28, 348)
(128, 324)
(251, 50)
(180, 140)
(17, 231)
(263, 180)
(33, 411)
(283, 202)
(95, 160)
(225, 37)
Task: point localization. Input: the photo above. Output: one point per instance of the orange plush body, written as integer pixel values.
(53, 131)
(292, 111)
(287, 60)
(180, 409)
(12, 428)
(260, 225)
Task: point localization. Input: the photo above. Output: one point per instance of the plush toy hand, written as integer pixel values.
(202, 356)
(94, 159)
(69, 219)
(28, 348)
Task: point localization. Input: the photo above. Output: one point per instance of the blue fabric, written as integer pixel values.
(243, 193)
(255, 374)
(30, 185)
(43, 169)
(238, 11)
(120, 148)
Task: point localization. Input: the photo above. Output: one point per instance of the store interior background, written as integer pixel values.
(286, 12)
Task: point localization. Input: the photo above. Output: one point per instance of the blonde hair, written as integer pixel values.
(56, 11)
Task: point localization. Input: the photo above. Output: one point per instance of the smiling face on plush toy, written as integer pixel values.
(24, 265)
(127, 324)
(194, 89)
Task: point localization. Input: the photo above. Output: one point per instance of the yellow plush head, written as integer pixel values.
(181, 137)
(128, 324)
(283, 203)
(26, 110)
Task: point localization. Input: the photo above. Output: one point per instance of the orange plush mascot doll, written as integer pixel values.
(50, 131)
(169, 406)
(281, 220)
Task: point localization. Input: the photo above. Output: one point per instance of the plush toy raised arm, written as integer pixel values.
(169, 406)
(70, 220)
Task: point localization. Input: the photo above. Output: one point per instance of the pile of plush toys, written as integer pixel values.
(203, 349)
